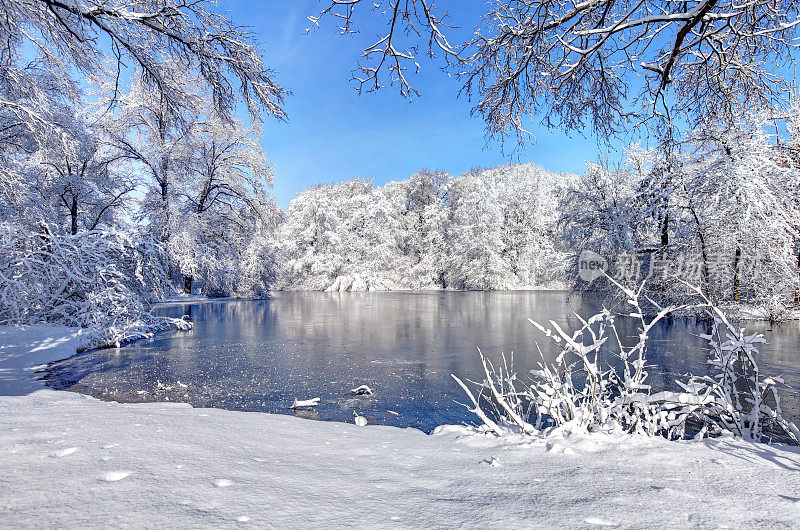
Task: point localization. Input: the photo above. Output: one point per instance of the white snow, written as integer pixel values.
(25, 349)
(66, 452)
(362, 390)
(304, 403)
(114, 476)
(167, 464)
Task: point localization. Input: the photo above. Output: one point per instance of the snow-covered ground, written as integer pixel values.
(68, 460)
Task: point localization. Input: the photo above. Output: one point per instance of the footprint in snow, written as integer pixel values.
(66, 452)
(223, 483)
(492, 461)
(114, 476)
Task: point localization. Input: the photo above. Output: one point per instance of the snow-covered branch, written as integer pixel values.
(98, 281)
(73, 33)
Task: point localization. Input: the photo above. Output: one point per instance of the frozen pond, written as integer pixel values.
(261, 355)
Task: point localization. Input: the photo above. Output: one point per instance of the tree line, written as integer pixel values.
(719, 210)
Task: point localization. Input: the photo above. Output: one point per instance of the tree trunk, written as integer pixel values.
(737, 290)
(73, 214)
(703, 252)
(797, 297)
(187, 284)
(706, 274)
(665, 232)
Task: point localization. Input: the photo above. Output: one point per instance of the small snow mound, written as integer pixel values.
(600, 522)
(557, 447)
(303, 403)
(223, 483)
(362, 390)
(453, 429)
(361, 421)
(243, 519)
(114, 476)
(66, 452)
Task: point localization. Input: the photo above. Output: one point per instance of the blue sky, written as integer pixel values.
(333, 133)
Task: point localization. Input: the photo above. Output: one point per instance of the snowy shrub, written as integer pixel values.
(98, 281)
(597, 383)
(735, 397)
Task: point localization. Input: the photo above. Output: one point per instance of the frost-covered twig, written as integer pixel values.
(477, 409)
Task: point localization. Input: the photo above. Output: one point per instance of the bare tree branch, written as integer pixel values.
(610, 65)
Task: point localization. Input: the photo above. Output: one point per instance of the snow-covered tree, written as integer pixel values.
(225, 207)
(158, 38)
(31, 102)
(100, 281)
(718, 210)
(340, 237)
(735, 193)
(598, 213)
(153, 135)
(79, 173)
(477, 229)
(486, 229)
(419, 210)
(46, 42)
(503, 228)
(308, 240)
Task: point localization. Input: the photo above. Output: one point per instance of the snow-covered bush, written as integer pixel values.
(98, 281)
(735, 397)
(597, 383)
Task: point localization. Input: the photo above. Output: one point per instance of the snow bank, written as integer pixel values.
(71, 460)
(24, 349)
